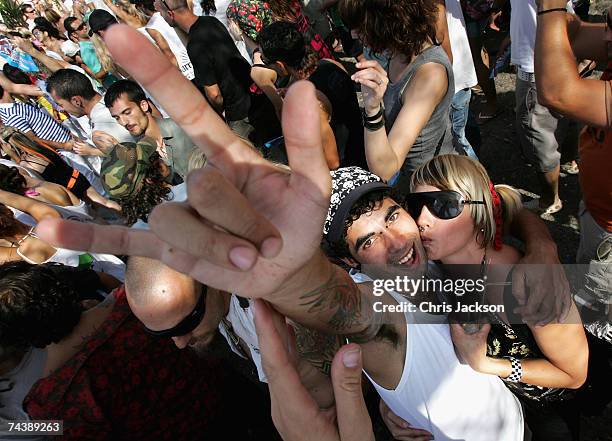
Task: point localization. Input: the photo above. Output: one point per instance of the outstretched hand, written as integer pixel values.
(294, 411)
(248, 226)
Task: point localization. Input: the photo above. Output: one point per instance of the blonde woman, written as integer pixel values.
(461, 216)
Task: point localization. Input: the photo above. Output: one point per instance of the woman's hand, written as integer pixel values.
(373, 80)
(401, 430)
(471, 348)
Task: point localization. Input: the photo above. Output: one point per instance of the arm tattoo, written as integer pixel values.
(337, 296)
(316, 347)
(348, 310)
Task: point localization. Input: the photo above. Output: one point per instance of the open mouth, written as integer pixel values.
(410, 257)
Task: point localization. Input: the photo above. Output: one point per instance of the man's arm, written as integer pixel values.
(213, 93)
(559, 85)
(539, 282)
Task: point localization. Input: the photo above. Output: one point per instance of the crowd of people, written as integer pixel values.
(207, 208)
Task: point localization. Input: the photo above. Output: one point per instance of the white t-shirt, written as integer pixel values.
(523, 24)
(177, 47)
(70, 48)
(101, 119)
(463, 65)
(439, 394)
(220, 15)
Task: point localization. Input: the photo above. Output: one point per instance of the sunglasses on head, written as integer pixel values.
(188, 324)
(447, 204)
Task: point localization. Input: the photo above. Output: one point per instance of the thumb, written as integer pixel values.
(354, 422)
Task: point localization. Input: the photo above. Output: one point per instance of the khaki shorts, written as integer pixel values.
(540, 133)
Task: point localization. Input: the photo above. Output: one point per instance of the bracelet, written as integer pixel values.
(374, 126)
(372, 118)
(546, 11)
(517, 371)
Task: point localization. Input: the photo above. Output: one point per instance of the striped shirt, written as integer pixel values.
(26, 118)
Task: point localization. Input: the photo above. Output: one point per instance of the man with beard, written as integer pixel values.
(129, 106)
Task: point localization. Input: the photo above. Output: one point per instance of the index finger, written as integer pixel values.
(373, 64)
(180, 99)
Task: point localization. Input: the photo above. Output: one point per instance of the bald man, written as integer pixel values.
(171, 304)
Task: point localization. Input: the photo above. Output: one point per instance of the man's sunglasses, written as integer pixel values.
(447, 204)
(189, 323)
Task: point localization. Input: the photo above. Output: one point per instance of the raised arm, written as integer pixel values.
(561, 39)
(386, 153)
(38, 210)
(51, 63)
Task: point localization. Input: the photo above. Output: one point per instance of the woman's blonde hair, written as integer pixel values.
(106, 62)
(469, 177)
(132, 10)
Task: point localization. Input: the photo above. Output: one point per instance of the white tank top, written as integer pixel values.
(177, 47)
(448, 399)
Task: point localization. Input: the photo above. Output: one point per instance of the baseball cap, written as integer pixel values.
(349, 184)
(99, 20)
(123, 170)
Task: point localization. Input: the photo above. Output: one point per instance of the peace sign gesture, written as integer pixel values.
(248, 226)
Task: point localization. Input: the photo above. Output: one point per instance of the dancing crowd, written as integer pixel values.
(266, 220)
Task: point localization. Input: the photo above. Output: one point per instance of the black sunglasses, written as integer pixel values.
(189, 323)
(447, 204)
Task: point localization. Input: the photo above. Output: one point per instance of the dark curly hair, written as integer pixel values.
(9, 227)
(365, 204)
(37, 306)
(284, 9)
(153, 192)
(11, 180)
(281, 41)
(401, 27)
(208, 6)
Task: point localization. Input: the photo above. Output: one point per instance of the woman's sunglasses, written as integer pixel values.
(447, 204)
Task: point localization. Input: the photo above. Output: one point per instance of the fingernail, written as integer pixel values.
(270, 247)
(358, 65)
(351, 358)
(242, 257)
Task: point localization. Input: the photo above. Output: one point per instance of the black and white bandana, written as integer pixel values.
(348, 185)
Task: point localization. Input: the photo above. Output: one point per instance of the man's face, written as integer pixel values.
(74, 106)
(167, 14)
(386, 236)
(80, 29)
(29, 13)
(131, 115)
(169, 312)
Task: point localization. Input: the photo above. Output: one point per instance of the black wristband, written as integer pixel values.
(546, 11)
(374, 126)
(372, 118)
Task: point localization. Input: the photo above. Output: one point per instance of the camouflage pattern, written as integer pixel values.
(124, 169)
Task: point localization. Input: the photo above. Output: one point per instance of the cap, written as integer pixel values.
(349, 184)
(123, 170)
(99, 20)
